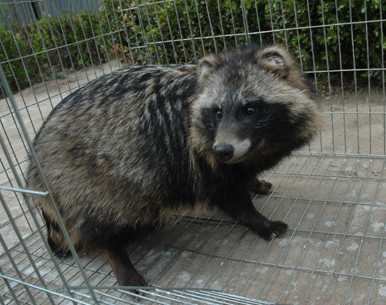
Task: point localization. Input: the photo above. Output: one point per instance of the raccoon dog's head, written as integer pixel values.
(252, 103)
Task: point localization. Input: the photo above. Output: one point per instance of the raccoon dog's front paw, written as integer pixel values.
(261, 187)
(275, 229)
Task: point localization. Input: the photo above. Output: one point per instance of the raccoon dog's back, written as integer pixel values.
(120, 139)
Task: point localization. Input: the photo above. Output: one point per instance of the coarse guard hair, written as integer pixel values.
(127, 151)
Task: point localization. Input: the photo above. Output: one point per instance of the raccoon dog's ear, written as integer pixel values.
(276, 60)
(206, 66)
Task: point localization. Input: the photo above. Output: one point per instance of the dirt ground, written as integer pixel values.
(332, 194)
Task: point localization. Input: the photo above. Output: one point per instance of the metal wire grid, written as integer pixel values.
(332, 255)
(332, 196)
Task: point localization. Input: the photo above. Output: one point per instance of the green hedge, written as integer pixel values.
(183, 30)
(359, 42)
(323, 36)
(49, 48)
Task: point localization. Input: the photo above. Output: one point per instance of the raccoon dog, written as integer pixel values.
(127, 150)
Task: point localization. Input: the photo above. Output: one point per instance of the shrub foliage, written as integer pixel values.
(327, 36)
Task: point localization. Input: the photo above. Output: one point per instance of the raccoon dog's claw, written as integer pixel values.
(261, 187)
(278, 229)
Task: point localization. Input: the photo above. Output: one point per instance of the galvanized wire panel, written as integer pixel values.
(333, 252)
(332, 194)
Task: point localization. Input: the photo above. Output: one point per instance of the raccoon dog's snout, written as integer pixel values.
(223, 152)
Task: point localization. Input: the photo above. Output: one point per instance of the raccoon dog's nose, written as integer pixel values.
(223, 153)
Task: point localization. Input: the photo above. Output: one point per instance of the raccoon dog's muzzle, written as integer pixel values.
(223, 152)
(232, 150)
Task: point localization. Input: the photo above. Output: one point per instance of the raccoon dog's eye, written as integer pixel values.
(218, 113)
(250, 110)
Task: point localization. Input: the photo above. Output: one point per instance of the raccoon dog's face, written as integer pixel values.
(253, 103)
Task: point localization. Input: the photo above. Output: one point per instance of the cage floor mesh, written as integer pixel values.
(333, 253)
(332, 194)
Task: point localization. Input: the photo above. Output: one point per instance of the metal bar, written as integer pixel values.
(7, 283)
(311, 230)
(266, 249)
(19, 190)
(21, 2)
(47, 291)
(25, 248)
(243, 259)
(343, 238)
(333, 174)
(294, 230)
(364, 230)
(34, 159)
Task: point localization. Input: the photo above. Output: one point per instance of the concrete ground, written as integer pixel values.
(332, 195)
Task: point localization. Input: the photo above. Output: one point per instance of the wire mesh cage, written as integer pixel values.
(332, 193)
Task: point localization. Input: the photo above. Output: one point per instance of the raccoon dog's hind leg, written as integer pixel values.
(55, 238)
(114, 241)
(122, 267)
